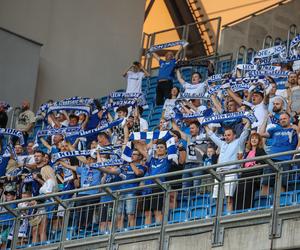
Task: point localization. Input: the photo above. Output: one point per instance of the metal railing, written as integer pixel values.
(183, 32)
(107, 213)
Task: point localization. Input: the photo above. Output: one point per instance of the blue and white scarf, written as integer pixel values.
(270, 52)
(73, 101)
(246, 67)
(139, 98)
(84, 133)
(119, 104)
(108, 163)
(13, 132)
(164, 135)
(272, 73)
(63, 131)
(229, 116)
(187, 63)
(84, 109)
(215, 78)
(167, 45)
(269, 68)
(184, 96)
(295, 42)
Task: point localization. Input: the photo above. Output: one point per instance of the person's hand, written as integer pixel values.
(35, 176)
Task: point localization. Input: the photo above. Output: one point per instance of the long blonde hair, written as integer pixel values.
(48, 173)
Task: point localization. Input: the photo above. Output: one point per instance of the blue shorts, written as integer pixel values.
(127, 203)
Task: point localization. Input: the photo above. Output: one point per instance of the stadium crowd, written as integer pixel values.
(204, 122)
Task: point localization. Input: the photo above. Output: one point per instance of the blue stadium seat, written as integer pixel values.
(178, 215)
(201, 200)
(286, 199)
(263, 201)
(198, 212)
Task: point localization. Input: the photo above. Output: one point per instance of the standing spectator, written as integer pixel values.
(135, 74)
(158, 164)
(196, 147)
(165, 75)
(294, 93)
(170, 102)
(248, 187)
(228, 152)
(284, 138)
(26, 119)
(257, 105)
(3, 116)
(195, 87)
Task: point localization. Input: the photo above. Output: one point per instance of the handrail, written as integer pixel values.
(206, 168)
(253, 14)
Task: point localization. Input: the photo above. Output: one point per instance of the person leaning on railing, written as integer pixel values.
(284, 138)
(247, 188)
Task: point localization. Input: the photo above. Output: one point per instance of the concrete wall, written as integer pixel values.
(87, 44)
(252, 32)
(19, 62)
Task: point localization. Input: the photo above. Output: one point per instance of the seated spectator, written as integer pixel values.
(135, 74)
(228, 152)
(195, 87)
(25, 120)
(165, 75)
(284, 138)
(247, 188)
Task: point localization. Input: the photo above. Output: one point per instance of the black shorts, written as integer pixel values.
(105, 212)
(154, 202)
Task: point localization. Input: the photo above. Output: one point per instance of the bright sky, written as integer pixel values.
(159, 18)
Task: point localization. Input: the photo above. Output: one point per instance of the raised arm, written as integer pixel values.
(234, 96)
(156, 56)
(217, 104)
(125, 72)
(144, 70)
(213, 136)
(179, 77)
(45, 143)
(68, 166)
(262, 130)
(178, 53)
(175, 127)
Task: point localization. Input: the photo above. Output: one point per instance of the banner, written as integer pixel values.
(164, 135)
(13, 132)
(167, 45)
(229, 116)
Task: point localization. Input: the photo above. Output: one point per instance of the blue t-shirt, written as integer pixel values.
(3, 164)
(156, 166)
(110, 178)
(89, 177)
(130, 175)
(166, 69)
(283, 139)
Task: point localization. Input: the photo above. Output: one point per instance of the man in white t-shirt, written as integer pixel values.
(195, 87)
(257, 105)
(135, 74)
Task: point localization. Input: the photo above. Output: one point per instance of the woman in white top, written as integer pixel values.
(49, 185)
